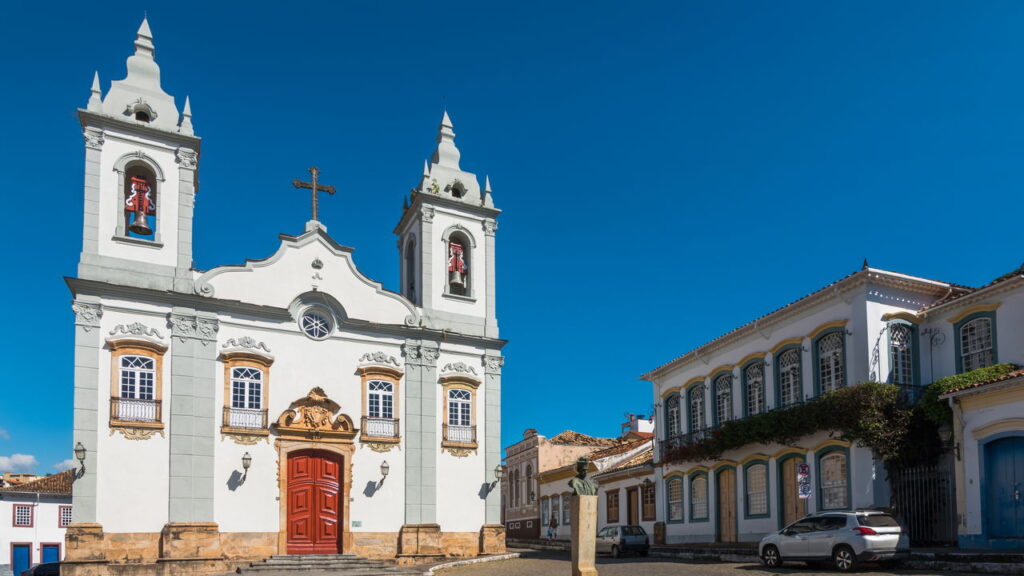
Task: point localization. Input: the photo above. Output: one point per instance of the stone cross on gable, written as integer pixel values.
(315, 187)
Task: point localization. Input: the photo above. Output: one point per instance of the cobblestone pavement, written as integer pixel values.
(557, 564)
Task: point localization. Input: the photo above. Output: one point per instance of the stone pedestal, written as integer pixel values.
(659, 533)
(583, 511)
(190, 541)
(492, 539)
(420, 540)
(84, 542)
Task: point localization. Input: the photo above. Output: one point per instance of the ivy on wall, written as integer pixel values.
(937, 410)
(870, 414)
(867, 413)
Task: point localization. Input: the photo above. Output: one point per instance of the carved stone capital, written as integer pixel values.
(202, 329)
(428, 213)
(493, 364)
(93, 138)
(420, 354)
(490, 227)
(186, 157)
(87, 315)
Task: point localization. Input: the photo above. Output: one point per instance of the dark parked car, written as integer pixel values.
(45, 569)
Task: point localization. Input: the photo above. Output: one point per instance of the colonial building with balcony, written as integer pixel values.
(873, 325)
(284, 405)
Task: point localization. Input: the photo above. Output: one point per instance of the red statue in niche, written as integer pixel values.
(457, 268)
(140, 202)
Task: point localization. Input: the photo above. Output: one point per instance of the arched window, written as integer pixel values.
(723, 398)
(834, 476)
(674, 490)
(459, 428)
(515, 488)
(756, 483)
(901, 354)
(140, 202)
(790, 385)
(699, 497)
(246, 398)
(459, 265)
(410, 270)
(753, 379)
(976, 344)
(673, 417)
(697, 415)
(830, 352)
(528, 491)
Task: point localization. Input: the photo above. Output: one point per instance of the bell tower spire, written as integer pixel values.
(140, 179)
(447, 243)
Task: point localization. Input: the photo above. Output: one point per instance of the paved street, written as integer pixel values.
(556, 564)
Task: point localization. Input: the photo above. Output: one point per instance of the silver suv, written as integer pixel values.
(842, 538)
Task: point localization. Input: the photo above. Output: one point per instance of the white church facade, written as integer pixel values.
(288, 405)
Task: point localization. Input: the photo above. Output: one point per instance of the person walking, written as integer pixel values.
(552, 527)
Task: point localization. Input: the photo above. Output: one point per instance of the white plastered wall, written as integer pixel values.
(461, 480)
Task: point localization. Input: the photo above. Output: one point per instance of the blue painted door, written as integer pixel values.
(51, 553)
(21, 558)
(1004, 478)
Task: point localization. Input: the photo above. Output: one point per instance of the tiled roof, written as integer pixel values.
(623, 446)
(639, 459)
(956, 295)
(868, 273)
(55, 484)
(572, 438)
(1009, 376)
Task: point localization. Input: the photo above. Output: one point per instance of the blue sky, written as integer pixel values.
(668, 171)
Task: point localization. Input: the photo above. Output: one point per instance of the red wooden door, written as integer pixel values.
(314, 503)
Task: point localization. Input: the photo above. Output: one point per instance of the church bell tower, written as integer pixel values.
(141, 162)
(446, 244)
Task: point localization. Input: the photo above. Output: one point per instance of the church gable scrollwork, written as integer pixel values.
(379, 358)
(246, 342)
(315, 417)
(458, 368)
(136, 329)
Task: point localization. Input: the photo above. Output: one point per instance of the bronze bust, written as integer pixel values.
(581, 485)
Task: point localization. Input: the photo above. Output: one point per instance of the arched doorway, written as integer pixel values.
(314, 502)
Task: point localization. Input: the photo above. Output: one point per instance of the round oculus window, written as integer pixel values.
(315, 324)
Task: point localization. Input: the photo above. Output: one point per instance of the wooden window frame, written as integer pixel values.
(384, 374)
(136, 347)
(460, 383)
(608, 497)
(31, 516)
(644, 509)
(243, 359)
(60, 516)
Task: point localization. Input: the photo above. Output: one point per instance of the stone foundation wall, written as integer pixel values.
(199, 548)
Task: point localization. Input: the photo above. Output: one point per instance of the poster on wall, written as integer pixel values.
(803, 480)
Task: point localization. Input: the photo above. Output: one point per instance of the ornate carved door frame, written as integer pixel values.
(314, 423)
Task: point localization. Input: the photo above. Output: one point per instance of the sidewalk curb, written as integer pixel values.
(509, 556)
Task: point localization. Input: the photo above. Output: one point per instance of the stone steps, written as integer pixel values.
(326, 565)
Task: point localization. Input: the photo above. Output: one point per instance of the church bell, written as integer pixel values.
(456, 279)
(139, 224)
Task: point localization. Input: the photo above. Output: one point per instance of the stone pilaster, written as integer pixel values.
(491, 326)
(492, 432)
(420, 431)
(91, 223)
(192, 415)
(427, 249)
(188, 161)
(86, 405)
